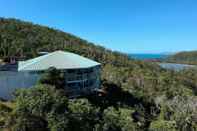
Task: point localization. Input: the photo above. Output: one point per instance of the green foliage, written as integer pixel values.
(25, 40)
(57, 122)
(81, 106)
(189, 57)
(40, 100)
(29, 123)
(42, 103)
(4, 109)
(184, 112)
(53, 77)
(4, 113)
(162, 125)
(118, 120)
(135, 95)
(83, 114)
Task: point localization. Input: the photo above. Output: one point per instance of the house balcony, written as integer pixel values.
(79, 78)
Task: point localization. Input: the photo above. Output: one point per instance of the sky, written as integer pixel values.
(130, 26)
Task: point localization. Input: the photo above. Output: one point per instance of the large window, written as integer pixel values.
(70, 71)
(82, 84)
(75, 85)
(89, 83)
(80, 72)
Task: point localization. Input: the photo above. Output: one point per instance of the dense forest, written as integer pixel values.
(136, 95)
(189, 57)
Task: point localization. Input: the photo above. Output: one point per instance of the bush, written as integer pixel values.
(4, 113)
(162, 125)
(42, 108)
(53, 77)
(82, 114)
(40, 100)
(29, 123)
(118, 120)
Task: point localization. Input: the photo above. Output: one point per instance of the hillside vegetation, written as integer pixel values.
(24, 39)
(189, 57)
(136, 95)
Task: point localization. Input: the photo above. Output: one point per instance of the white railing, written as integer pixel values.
(83, 77)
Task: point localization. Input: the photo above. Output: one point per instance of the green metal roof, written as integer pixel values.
(57, 59)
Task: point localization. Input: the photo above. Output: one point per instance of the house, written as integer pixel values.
(82, 75)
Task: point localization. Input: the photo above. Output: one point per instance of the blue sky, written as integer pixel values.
(132, 26)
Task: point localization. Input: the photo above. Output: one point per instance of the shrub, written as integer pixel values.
(162, 125)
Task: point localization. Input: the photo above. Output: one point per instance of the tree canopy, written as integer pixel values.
(137, 95)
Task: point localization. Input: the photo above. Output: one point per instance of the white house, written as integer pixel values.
(82, 75)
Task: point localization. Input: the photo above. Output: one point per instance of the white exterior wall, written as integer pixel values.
(10, 81)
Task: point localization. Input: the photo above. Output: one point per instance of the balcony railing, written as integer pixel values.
(76, 77)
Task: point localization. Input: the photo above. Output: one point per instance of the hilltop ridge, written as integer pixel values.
(185, 57)
(25, 39)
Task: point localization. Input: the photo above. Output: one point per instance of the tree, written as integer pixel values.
(82, 114)
(53, 77)
(118, 120)
(163, 126)
(40, 103)
(29, 123)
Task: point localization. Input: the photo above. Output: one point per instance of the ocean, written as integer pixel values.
(148, 56)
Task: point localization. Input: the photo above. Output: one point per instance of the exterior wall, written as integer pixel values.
(82, 81)
(10, 81)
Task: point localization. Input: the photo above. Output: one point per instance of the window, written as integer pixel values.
(79, 72)
(86, 83)
(76, 85)
(91, 82)
(72, 85)
(91, 70)
(71, 71)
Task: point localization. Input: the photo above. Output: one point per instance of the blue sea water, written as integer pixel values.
(148, 56)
